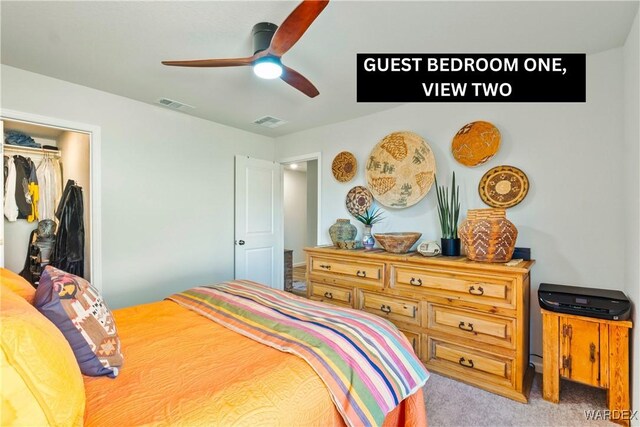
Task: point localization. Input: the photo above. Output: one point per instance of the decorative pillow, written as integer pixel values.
(77, 309)
(17, 284)
(41, 381)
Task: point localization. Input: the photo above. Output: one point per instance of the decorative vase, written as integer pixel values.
(450, 247)
(367, 239)
(488, 235)
(342, 230)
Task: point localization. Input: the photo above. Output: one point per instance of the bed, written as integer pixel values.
(181, 368)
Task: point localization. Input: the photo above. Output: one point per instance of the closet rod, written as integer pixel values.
(30, 150)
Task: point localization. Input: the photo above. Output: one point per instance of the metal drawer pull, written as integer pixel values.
(472, 290)
(415, 282)
(328, 295)
(326, 266)
(468, 328)
(469, 365)
(385, 309)
(361, 273)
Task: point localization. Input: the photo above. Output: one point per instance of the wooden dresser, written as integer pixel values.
(466, 320)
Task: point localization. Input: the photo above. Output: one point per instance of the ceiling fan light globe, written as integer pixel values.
(267, 69)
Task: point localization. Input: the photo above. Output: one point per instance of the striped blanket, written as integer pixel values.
(367, 365)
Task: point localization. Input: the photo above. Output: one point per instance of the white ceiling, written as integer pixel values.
(117, 47)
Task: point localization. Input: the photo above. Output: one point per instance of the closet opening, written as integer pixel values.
(47, 199)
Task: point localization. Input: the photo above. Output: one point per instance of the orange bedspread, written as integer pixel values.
(181, 368)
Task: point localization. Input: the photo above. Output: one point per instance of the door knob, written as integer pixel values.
(241, 242)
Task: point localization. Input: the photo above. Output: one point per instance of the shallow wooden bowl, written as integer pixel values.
(397, 243)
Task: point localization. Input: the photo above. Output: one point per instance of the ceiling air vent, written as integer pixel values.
(175, 105)
(269, 122)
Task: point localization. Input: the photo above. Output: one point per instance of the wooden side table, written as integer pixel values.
(590, 351)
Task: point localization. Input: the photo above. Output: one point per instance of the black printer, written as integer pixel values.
(590, 302)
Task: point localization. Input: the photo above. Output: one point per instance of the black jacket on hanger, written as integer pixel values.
(68, 252)
(23, 172)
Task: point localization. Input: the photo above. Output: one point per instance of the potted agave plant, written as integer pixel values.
(371, 216)
(448, 213)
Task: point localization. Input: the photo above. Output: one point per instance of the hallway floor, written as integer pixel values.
(300, 280)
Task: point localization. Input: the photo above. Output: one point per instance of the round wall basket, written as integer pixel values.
(475, 143)
(344, 166)
(358, 200)
(503, 187)
(400, 170)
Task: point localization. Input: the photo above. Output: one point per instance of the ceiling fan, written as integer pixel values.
(270, 42)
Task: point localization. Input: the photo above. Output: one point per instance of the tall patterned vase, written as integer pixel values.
(488, 235)
(367, 239)
(342, 230)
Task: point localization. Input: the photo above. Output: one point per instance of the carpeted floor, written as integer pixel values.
(453, 403)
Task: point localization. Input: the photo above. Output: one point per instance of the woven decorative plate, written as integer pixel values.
(400, 170)
(503, 187)
(344, 166)
(475, 143)
(358, 200)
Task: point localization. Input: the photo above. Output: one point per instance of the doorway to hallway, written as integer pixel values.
(301, 217)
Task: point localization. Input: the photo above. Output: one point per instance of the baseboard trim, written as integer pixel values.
(299, 264)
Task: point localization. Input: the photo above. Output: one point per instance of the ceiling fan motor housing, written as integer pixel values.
(262, 34)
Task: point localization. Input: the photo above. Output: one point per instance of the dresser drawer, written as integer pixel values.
(414, 340)
(331, 294)
(468, 363)
(364, 272)
(494, 291)
(484, 328)
(390, 307)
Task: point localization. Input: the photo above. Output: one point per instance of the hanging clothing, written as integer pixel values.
(57, 178)
(23, 199)
(68, 252)
(10, 206)
(27, 193)
(34, 192)
(6, 170)
(43, 181)
(49, 188)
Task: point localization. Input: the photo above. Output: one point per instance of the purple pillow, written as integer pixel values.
(77, 309)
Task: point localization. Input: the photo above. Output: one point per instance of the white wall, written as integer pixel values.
(295, 213)
(632, 193)
(572, 152)
(167, 185)
(312, 203)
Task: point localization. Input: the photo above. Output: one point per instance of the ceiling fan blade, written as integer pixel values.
(295, 25)
(226, 62)
(298, 81)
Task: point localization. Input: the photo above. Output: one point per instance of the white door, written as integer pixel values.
(259, 239)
